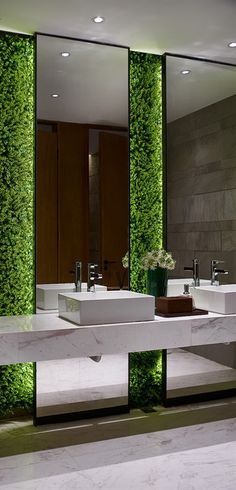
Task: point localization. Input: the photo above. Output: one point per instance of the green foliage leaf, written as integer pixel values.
(145, 378)
(146, 172)
(16, 202)
(146, 196)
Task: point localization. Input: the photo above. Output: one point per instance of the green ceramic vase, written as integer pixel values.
(157, 282)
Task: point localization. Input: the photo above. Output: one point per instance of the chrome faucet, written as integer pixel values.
(215, 272)
(92, 276)
(78, 276)
(195, 271)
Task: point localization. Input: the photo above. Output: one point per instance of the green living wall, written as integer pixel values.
(146, 208)
(16, 203)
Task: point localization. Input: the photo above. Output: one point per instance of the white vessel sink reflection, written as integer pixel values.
(218, 299)
(106, 307)
(47, 294)
(176, 286)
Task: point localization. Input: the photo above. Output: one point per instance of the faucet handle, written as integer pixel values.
(92, 266)
(195, 263)
(95, 275)
(221, 271)
(215, 262)
(92, 276)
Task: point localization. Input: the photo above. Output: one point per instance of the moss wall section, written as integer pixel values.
(16, 202)
(146, 210)
(146, 189)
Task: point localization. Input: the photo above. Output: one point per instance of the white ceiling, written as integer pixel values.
(206, 84)
(195, 27)
(92, 82)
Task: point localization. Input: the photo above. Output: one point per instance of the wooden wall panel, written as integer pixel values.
(73, 198)
(46, 207)
(114, 170)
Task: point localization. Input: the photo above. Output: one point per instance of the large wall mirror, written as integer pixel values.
(82, 159)
(201, 164)
(201, 201)
(82, 208)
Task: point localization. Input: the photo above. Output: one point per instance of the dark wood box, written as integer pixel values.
(174, 304)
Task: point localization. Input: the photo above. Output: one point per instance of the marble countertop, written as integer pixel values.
(46, 336)
(49, 320)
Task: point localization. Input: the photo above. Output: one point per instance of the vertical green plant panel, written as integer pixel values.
(16, 202)
(146, 210)
(146, 172)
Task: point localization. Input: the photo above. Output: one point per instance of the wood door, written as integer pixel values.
(73, 198)
(46, 205)
(114, 220)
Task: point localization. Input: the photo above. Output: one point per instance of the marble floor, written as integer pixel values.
(189, 448)
(189, 373)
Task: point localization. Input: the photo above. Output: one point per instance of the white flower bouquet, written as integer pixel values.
(158, 258)
(125, 260)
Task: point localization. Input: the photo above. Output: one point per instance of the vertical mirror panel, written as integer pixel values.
(82, 159)
(201, 165)
(201, 204)
(81, 385)
(201, 370)
(82, 208)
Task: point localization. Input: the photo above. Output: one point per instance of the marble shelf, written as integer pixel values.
(48, 337)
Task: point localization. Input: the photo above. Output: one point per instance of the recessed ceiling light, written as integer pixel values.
(98, 19)
(232, 45)
(65, 54)
(185, 72)
(55, 96)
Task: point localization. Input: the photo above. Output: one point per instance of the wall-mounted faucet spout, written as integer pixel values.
(78, 276)
(195, 271)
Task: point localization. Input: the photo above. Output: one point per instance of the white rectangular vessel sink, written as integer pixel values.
(47, 294)
(106, 307)
(218, 299)
(176, 286)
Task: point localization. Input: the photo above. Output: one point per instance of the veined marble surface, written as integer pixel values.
(214, 330)
(98, 455)
(47, 337)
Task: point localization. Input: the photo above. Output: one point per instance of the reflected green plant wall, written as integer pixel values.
(17, 277)
(146, 204)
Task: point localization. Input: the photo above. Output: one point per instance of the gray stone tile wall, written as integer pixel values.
(201, 189)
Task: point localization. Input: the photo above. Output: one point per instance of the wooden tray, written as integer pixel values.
(195, 312)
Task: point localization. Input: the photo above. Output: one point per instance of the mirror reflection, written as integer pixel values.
(201, 166)
(81, 206)
(82, 160)
(201, 202)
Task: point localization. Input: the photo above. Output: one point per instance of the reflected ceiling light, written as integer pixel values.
(185, 72)
(65, 54)
(98, 19)
(232, 45)
(55, 96)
